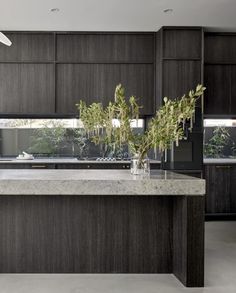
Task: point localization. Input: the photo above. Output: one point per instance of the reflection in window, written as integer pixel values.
(55, 138)
(219, 138)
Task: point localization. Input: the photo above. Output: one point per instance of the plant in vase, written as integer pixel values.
(112, 124)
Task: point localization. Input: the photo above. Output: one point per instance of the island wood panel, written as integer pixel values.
(28, 47)
(106, 48)
(85, 234)
(217, 97)
(182, 43)
(27, 88)
(220, 48)
(179, 77)
(97, 83)
(188, 240)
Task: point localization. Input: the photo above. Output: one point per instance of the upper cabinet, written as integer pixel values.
(179, 76)
(182, 43)
(48, 73)
(178, 61)
(220, 48)
(97, 82)
(33, 47)
(218, 89)
(105, 48)
(220, 74)
(27, 89)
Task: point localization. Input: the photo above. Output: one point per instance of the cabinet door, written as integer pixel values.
(97, 82)
(233, 190)
(179, 77)
(233, 91)
(28, 47)
(220, 48)
(105, 48)
(218, 188)
(182, 43)
(218, 89)
(27, 88)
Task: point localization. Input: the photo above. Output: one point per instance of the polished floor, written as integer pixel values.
(220, 276)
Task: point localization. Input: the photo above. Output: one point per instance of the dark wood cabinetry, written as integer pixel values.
(105, 48)
(220, 189)
(29, 47)
(26, 88)
(217, 98)
(178, 61)
(182, 43)
(180, 76)
(220, 74)
(47, 73)
(220, 48)
(97, 82)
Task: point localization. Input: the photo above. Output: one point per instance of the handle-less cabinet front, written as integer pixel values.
(220, 189)
(97, 82)
(27, 88)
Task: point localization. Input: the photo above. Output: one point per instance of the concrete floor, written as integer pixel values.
(220, 276)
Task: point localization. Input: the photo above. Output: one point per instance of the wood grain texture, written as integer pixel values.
(106, 48)
(220, 48)
(217, 97)
(233, 189)
(97, 82)
(85, 234)
(233, 91)
(182, 44)
(218, 188)
(179, 77)
(188, 240)
(28, 47)
(27, 88)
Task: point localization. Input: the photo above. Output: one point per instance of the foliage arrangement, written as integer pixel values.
(112, 124)
(218, 142)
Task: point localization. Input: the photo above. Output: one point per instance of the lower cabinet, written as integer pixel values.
(220, 189)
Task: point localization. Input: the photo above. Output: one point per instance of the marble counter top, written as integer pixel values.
(97, 182)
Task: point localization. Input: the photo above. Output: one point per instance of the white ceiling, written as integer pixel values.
(116, 15)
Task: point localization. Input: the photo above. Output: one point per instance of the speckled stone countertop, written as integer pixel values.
(64, 161)
(220, 161)
(97, 182)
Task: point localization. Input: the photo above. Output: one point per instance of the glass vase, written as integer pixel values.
(139, 165)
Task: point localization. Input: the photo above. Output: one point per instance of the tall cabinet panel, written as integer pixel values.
(179, 61)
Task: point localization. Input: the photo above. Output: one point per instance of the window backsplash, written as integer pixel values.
(54, 138)
(220, 138)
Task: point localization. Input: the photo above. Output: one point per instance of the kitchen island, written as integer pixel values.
(102, 221)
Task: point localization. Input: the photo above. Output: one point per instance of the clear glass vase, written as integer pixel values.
(139, 165)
